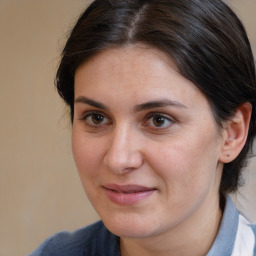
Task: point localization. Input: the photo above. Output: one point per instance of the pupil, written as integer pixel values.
(97, 119)
(158, 121)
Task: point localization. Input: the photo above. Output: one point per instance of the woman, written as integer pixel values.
(162, 103)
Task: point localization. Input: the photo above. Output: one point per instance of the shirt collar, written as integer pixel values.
(224, 242)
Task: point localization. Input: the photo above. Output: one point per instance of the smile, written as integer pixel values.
(128, 194)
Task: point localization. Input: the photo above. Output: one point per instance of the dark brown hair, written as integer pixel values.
(204, 38)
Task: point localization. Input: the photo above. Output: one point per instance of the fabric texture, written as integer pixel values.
(93, 240)
(236, 237)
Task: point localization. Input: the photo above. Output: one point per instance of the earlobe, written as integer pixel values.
(235, 133)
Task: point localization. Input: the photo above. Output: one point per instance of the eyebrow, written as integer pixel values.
(141, 107)
(158, 104)
(90, 102)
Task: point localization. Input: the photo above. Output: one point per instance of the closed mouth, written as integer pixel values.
(128, 194)
(127, 189)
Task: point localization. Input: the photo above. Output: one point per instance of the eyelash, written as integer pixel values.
(90, 114)
(160, 116)
(145, 123)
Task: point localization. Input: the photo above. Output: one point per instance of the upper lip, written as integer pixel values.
(130, 188)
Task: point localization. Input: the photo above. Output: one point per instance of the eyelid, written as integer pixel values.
(158, 114)
(87, 114)
(154, 114)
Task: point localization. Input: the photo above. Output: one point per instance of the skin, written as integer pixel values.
(178, 151)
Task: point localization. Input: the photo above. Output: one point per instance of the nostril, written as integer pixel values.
(123, 163)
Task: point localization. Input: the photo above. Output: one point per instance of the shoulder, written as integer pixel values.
(94, 239)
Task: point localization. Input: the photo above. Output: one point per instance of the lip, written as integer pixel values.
(127, 194)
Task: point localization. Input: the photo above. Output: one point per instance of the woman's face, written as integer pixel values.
(145, 143)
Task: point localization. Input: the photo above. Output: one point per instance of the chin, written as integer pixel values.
(128, 231)
(130, 226)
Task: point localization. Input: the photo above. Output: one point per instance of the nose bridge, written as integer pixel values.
(123, 153)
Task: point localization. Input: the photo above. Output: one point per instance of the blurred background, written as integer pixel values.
(40, 192)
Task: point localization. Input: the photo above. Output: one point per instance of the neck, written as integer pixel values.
(193, 237)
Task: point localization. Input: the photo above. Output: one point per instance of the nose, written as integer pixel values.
(124, 151)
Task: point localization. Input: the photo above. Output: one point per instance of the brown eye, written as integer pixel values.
(97, 119)
(159, 120)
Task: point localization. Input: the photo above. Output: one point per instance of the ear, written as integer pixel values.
(235, 133)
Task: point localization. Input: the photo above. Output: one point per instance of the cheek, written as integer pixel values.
(186, 165)
(88, 158)
(87, 155)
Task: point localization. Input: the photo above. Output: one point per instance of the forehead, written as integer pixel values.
(137, 71)
(130, 54)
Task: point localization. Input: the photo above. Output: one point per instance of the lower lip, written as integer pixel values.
(126, 199)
